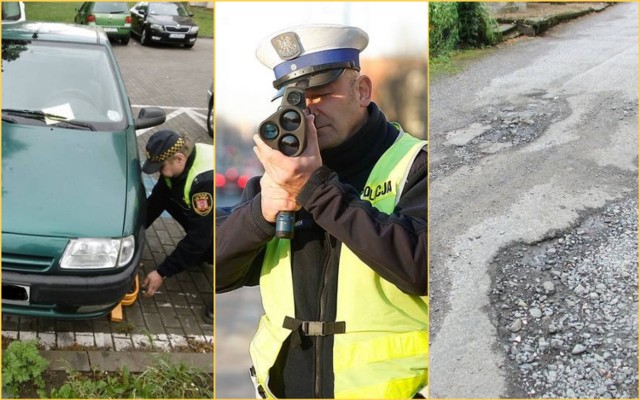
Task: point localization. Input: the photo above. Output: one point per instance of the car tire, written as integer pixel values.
(125, 40)
(210, 119)
(144, 38)
(189, 45)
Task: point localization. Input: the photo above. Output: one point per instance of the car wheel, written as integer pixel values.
(144, 39)
(210, 120)
(125, 40)
(189, 45)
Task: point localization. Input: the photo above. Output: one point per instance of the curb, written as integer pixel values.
(536, 26)
(110, 361)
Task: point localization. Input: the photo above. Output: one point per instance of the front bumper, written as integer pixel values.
(68, 296)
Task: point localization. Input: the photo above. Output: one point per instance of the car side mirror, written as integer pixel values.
(191, 15)
(149, 117)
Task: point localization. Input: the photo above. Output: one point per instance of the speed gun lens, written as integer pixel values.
(269, 131)
(290, 120)
(294, 98)
(289, 145)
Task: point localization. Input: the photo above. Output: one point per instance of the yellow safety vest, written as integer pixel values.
(383, 352)
(203, 162)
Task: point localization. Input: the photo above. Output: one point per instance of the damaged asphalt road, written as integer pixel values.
(533, 221)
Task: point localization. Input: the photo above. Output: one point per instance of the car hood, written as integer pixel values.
(62, 182)
(170, 20)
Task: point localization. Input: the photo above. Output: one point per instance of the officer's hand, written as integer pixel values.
(274, 198)
(151, 283)
(291, 173)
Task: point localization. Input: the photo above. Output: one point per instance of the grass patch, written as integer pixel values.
(454, 62)
(163, 380)
(51, 12)
(204, 18)
(66, 11)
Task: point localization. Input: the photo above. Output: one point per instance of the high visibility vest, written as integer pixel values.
(383, 352)
(203, 162)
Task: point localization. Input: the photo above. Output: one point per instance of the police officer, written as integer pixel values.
(185, 191)
(345, 299)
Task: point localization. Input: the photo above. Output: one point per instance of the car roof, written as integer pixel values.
(55, 32)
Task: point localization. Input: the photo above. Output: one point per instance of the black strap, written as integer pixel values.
(261, 392)
(314, 328)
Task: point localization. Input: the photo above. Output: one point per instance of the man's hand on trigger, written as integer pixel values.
(152, 283)
(273, 198)
(291, 173)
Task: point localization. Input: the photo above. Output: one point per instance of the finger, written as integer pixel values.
(150, 292)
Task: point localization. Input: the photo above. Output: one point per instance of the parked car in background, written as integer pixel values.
(210, 113)
(113, 17)
(73, 200)
(163, 23)
(12, 12)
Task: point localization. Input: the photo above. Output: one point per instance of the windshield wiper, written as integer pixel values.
(73, 124)
(117, 12)
(41, 115)
(32, 114)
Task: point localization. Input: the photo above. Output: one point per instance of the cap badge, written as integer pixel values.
(287, 45)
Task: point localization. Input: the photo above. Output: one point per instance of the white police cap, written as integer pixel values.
(317, 54)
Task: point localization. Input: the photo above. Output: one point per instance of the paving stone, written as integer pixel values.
(66, 339)
(192, 325)
(154, 323)
(103, 340)
(10, 334)
(122, 343)
(10, 322)
(28, 335)
(85, 339)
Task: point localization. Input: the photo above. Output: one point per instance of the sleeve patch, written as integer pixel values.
(202, 203)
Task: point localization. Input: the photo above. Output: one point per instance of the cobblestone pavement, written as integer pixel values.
(176, 79)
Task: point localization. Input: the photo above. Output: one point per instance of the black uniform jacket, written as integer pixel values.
(197, 245)
(395, 246)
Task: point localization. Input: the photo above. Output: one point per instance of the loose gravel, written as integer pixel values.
(504, 127)
(566, 309)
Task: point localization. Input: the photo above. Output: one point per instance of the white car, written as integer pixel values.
(12, 12)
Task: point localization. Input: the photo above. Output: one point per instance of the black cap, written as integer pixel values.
(161, 146)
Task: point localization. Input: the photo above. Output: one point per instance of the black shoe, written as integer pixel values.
(207, 316)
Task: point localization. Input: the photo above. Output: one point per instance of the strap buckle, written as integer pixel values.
(313, 328)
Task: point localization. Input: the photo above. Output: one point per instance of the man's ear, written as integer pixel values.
(365, 88)
(181, 157)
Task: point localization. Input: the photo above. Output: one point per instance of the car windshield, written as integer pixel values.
(110, 8)
(68, 81)
(168, 9)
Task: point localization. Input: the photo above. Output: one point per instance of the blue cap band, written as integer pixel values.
(317, 59)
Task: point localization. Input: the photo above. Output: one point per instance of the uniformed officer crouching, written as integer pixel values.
(185, 191)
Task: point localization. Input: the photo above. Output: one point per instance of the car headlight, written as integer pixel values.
(194, 29)
(156, 27)
(98, 253)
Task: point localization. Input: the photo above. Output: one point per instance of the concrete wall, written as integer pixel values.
(201, 4)
(509, 6)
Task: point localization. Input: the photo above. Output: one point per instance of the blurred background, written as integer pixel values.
(396, 61)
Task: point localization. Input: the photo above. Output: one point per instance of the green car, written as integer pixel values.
(73, 200)
(113, 17)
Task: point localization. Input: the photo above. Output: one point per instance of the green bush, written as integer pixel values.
(476, 27)
(443, 28)
(22, 363)
(458, 26)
